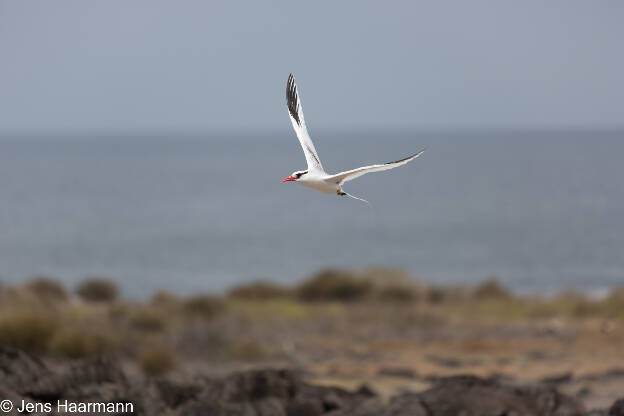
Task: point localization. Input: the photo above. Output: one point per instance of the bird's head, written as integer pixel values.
(295, 176)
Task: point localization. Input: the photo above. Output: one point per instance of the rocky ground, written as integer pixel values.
(270, 392)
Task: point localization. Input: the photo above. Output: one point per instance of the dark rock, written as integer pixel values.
(366, 391)
(444, 361)
(217, 409)
(259, 384)
(305, 407)
(617, 409)
(584, 392)
(6, 394)
(270, 407)
(102, 380)
(365, 407)
(174, 393)
(558, 378)
(96, 371)
(408, 404)
(331, 401)
(19, 371)
(271, 393)
(547, 400)
(615, 372)
(399, 372)
(470, 395)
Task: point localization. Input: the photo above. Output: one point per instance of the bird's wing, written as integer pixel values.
(341, 177)
(296, 117)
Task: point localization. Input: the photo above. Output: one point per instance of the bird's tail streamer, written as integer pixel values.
(359, 199)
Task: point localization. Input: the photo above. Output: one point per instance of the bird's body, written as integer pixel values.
(315, 176)
(320, 181)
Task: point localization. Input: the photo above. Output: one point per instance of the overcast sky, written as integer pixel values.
(201, 65)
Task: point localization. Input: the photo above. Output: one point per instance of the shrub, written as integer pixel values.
(334, 285)
(387, 276)
(157, 359)
(98, 290)
(47, 289)
(435, 294)
(491, 288)
(27, 330)
(400, 294)
(146, 319)
(616, 294)
(73, 343)
(120, 312)
(613, 304)
(204, 306)
(164, 298)
(441, 294)
(259, 290)
(249, 351)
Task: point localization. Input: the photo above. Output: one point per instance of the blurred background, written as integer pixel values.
(145, 141)
(142, 214)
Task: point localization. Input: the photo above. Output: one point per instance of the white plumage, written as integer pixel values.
(315, 176)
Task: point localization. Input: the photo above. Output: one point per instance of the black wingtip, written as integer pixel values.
(292, 100)
(405, 158)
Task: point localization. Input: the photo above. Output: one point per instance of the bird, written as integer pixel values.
(315, 176)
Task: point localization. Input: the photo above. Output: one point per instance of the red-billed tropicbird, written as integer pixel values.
(315, 176)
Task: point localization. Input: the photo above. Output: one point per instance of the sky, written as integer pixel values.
(199, 66)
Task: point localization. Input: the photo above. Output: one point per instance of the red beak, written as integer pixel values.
(289, 178)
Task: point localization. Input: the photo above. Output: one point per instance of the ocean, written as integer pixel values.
(542, 210)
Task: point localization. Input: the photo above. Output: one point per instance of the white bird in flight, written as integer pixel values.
(315, 176)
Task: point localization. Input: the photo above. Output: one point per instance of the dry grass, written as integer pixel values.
(47, 289)
(27, 329)
(260, 290)
(333, 321)
(165, 300)
(82, 343)
(283, 310)
(335, 285)
(203, 306)
(148, 319)
(491, 288)
(249, 351)
(157, 359)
